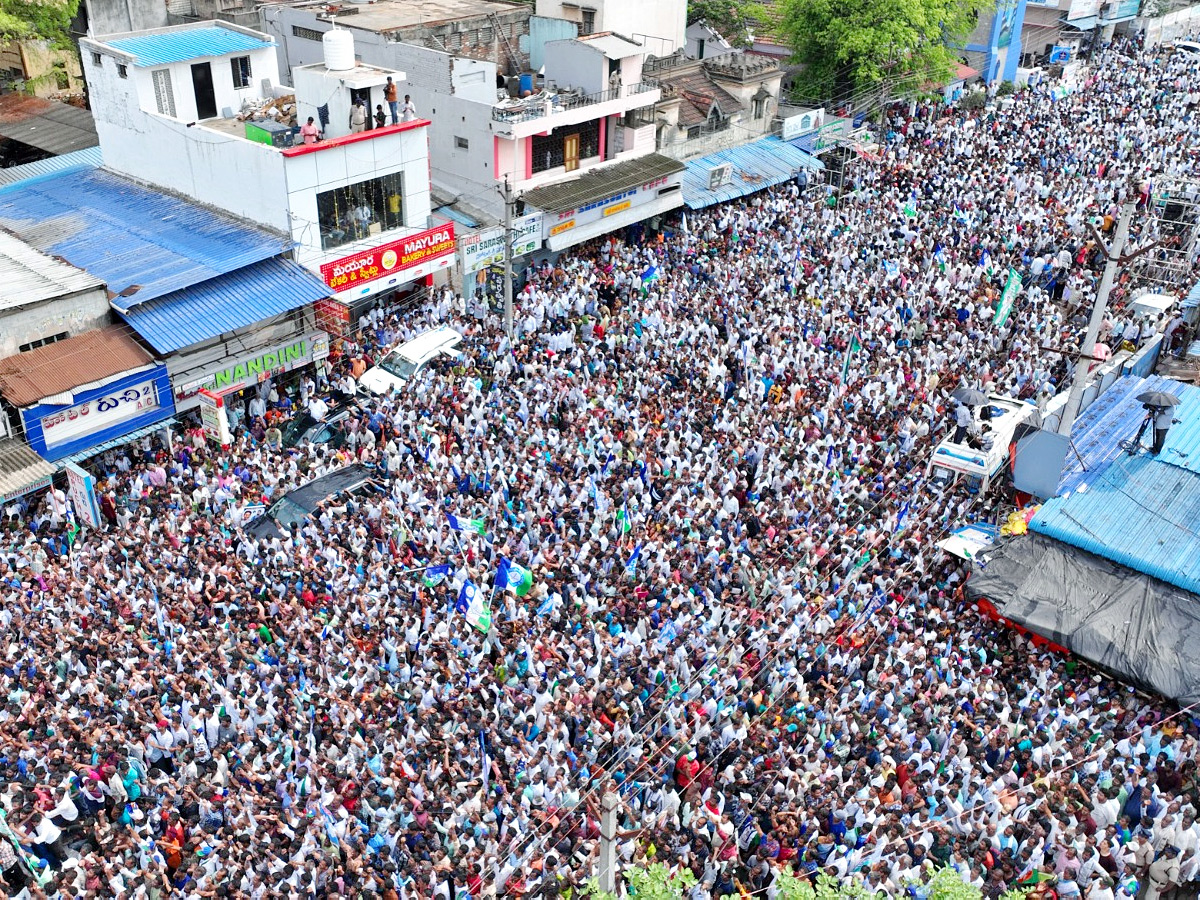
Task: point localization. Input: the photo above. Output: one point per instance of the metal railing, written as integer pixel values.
(562, 102)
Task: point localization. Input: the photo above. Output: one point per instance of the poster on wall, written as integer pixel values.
(101, 412)
(1006, 12)
(81, 488)
(214, 418)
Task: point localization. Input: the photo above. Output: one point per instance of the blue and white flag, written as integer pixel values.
(631, 564)
(435, 575)
(465, 594)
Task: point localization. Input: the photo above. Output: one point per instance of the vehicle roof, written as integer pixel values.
(426, 345)
(329, 484)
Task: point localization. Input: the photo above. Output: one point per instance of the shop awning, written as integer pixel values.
(634, 214)
(1085, 24)
(601, 183)
(223, 304)
(755, 166)
(21, 470)
(117, 442)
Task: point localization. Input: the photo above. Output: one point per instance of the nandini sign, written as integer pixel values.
(390, 258)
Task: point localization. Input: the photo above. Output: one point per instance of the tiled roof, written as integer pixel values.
(29, 377)
(601, 183)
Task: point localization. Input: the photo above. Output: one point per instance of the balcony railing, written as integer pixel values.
(540, 108)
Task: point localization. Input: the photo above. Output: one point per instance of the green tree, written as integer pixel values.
(734, 20)
(850, 47)
(38, 20)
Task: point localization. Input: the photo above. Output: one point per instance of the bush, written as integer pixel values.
(976, 100)
(1006, 88)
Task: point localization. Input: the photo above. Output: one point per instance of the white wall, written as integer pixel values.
(74, 314)
(311, 173)
(263, 65)
(576, 64)
(663, 19)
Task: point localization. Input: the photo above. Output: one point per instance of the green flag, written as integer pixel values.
(1008, 296)
(854, 347)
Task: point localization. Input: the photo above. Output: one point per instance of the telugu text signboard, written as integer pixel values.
(486, 248)
(101, 412)
(390, 258)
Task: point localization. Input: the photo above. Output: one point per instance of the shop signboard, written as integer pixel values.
(557, 223)
(214, 418)
(98, 413)
(333, 316)
(24, 489)
(486, 248)
(81, 488)
(802, 123)
(1083, 9)
(411, 254)
(258, 367)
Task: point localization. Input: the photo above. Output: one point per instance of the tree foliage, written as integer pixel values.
(734, 20)
(38, 20)
(849, 47)
(655, 882)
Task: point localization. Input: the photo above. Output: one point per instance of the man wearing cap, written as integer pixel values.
(1163, 873)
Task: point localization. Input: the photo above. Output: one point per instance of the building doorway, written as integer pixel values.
(571, 152)
(206, 94)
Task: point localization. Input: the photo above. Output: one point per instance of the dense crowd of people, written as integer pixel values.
(703, 456)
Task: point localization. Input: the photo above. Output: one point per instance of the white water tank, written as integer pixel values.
(338, 45)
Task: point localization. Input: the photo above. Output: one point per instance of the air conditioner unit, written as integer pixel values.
(720, 175)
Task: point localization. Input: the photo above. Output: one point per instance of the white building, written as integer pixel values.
(659, 25)
(44, 299)
(589, 111)
(181, 108)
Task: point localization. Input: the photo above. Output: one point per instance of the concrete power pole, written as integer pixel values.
(608, 843)
(508, 274)
(1088, 348)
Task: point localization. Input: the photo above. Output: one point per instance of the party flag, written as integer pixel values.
(513, 577)
(476, 525)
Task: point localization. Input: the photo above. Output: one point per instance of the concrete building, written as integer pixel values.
(590, 109)
(660, 26)
(199, 110)
(715, 103)
(486, 30)
(44, 299)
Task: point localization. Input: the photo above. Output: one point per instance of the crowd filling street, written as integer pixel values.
(701, 465)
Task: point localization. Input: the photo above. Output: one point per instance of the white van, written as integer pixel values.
(402, 365)
(1153, 305)
(951, 460)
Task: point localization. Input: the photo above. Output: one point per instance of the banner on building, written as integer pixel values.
(486, 248)
(402, 255)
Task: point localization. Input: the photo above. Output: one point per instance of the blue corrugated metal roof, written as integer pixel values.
(1115, 416)
(805, 142)
(186, 42)
(89, 158)
(1193, 298)
(138, 240)
(225, 303)
(455, 216)
(1140, 512)
(757, 165)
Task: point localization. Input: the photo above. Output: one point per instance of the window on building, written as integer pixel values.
(359, 210)
(461, 143)
(588, 25)
(758, 107)
(241, 71)
(566, 148)
(42, 342)
(97, 60)
(309, 34)
(122, 70)
(164, 96)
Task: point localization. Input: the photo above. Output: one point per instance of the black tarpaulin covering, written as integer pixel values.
(1138, 627)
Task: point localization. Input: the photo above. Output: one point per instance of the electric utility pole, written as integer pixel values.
(1088, 348)
(608, 844)
(508, 274)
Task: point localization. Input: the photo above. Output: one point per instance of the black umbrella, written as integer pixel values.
(969, 396)
(1157, 398)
